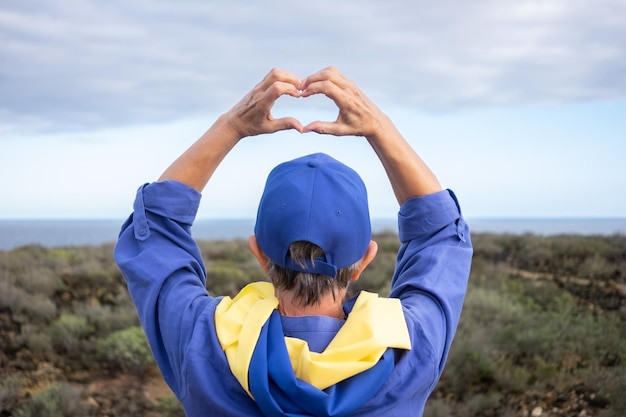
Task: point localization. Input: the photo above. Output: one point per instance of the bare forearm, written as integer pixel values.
(408, 173)
(198, 163)
(251, 116)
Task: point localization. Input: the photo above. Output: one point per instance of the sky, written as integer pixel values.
(518, 106)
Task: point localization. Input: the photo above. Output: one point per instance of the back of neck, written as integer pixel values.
(329, 306)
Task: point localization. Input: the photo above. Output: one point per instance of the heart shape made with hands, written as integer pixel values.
(307, 109)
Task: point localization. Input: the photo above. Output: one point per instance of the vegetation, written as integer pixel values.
(542, 332)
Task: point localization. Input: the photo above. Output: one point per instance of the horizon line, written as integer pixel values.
(373, 218)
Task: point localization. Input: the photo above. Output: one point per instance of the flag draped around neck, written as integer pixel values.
(351, 369)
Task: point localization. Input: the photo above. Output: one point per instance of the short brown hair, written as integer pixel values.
(308, 288)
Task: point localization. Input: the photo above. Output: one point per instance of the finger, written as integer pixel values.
(327, 74)
(280, 88)
(340, 96)
(279, 75)
(264, 101)
(325, 128)
(331, 83)
(286, 123)
(325, 87)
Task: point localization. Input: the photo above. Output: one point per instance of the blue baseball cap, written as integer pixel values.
(316, 199)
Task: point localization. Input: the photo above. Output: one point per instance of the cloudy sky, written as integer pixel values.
(519, 106)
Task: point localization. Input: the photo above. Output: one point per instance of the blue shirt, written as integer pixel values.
(166, 278)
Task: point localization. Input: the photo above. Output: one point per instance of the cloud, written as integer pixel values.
(90, 64)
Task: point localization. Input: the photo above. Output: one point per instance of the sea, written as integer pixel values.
(61, 233)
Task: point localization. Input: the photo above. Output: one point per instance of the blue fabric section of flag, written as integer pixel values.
(277, 391)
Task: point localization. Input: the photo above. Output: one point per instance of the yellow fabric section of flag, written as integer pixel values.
(238, 323)
(373, 325)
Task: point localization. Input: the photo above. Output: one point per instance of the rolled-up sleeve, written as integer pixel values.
(432, 270)
(164, 271)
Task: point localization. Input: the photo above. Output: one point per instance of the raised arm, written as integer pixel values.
(432, 270)
(251, 116)
(359, 116)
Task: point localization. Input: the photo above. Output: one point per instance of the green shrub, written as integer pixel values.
(37, 279)
(480, 403)
(226, 278)
(33, 306)
(58, 400)
(169, 406)
(482, 306)
(126, 350)
(235, 251)
(36, 340)
(473, 371)
(437, 407)
(106, 319)
(616, 390)
(10, 388)
(511, 377)
(69, 333)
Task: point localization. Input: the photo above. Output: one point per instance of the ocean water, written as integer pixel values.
(54, 233)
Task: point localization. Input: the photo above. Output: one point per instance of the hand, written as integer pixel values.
(358, 115)
(252, 115)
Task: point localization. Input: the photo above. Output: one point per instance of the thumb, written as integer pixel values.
(286, 123)
(323, 128)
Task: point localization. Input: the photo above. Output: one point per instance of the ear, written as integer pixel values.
(258, 253)
(370, 254)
